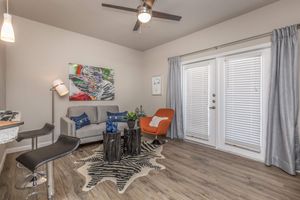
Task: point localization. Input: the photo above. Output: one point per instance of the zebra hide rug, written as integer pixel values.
(122, 173)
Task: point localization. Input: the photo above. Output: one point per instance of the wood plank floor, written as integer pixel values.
(193, 172)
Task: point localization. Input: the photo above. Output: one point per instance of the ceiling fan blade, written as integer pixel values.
(137, 25)
(119, 7)
(166, 16)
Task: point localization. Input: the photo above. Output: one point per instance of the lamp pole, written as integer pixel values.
(59, 87)
(50, 172)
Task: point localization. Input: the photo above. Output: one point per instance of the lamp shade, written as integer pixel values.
(7, 31)
(59, 86)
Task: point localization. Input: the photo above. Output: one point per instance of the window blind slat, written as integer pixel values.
(197, 102)
(243, 101)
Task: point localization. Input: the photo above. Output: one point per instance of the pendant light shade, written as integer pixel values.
(7, 31)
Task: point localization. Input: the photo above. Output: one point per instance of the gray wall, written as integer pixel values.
(260, 21)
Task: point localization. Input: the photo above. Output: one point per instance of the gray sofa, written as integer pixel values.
(92, 132)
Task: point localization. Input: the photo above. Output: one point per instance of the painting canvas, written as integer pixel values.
(89, 83)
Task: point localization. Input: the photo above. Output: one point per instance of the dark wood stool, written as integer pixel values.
(111, 146)
(132, 141)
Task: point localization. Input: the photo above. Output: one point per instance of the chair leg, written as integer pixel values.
(156, 141)
(34, 194)
(32, 180)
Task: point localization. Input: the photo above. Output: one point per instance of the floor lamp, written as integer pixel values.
(60, 88)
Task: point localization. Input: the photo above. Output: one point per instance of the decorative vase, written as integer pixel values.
(111, 127)
(130, 124)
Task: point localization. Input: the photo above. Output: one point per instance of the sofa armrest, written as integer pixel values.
(67, 127)
(163, 127)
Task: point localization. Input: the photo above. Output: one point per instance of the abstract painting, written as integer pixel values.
(89, 83)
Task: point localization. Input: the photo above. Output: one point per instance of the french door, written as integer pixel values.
(200, 101)
(225, 101)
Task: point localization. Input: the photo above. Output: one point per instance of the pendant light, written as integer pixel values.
(7, 31)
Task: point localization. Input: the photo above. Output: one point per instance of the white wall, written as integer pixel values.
(42, 53)
(2, 82)
(260, 21)
(2, 63)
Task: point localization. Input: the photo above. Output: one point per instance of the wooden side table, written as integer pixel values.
(111, 146)
(132, 141)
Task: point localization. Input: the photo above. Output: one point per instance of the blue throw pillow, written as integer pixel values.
(81, 121)
(117, 117)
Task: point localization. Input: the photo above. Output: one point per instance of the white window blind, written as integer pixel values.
(243, 127)
(197, 101)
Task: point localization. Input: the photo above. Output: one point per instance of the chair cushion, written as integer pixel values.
(150, 129)
(155, 121)
(91, 130)
(91, 112)
(81, 121)
(102, 112)
(117, 117)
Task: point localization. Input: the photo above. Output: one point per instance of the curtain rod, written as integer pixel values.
(232, 43)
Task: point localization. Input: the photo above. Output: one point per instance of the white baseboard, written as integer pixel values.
(26, 147)
(18, 149)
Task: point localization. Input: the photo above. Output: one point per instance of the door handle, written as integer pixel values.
(212, 107)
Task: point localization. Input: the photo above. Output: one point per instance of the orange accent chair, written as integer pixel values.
(163, 125)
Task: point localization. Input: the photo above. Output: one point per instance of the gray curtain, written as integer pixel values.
(174, 97)
(282, 128)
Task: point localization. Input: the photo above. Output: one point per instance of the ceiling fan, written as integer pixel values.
(144, 13)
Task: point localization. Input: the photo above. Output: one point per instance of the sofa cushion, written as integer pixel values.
(91, 130)
(97, 130)
(91, 112)
(122, 125)
(102, 112)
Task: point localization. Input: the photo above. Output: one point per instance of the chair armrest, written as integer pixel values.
(67, 127)
(163, 127)
(145, 121)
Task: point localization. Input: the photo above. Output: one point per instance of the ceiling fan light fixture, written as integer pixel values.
(144, 14)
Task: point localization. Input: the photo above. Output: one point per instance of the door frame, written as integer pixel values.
(218, 125)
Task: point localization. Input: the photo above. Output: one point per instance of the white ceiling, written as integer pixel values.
(89, 18)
